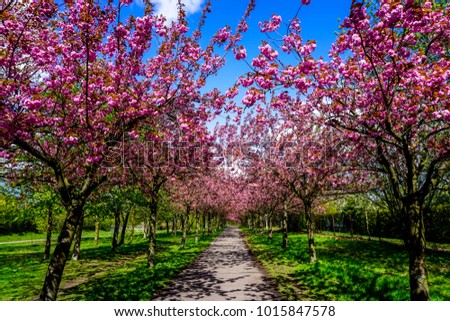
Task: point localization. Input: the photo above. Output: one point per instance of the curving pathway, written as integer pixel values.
(227, 270)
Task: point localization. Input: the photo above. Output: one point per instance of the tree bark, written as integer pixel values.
(270, 223)
(77, 245)
(350, 216)
(310, 229)
(333, 225)
(133, 223)
(145, 235)
(167, 226)
(97, 229)
(116, 230)
(152, 233)
(208, 222)
(285, 226)
(261, 224)
(197, 227)
(48, 240)
(204, 224)
(183, 229)
(418, 275)
(174, 226)
(367, 225)
(124, 227)
(61, 253)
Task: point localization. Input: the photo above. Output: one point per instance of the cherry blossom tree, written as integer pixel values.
(298, 153)
(385, 92)
(55, 90)
(75, 85)
(386, 88)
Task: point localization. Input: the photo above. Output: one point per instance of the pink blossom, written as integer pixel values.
(268, 52)
(222, 35)
(240, 53)
(231, 93)
(271, 25)
(243, 26)
(246, 81)
(264, 83)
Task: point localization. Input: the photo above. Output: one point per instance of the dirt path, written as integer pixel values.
(25, 241)
(227, 270)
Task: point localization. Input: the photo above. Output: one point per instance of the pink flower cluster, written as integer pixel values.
(272, 25)
(240, 53)
(268, 52)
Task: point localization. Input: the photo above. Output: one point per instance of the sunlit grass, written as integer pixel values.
(106, 276)
(346, 269)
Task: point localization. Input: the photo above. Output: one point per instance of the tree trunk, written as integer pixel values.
(48, 240)
(208, 222)
(133, 222)
(217, 225)
(77, 245)
(116, 230)
(261, 224)
(183, 227)
(152, 233)
(204, 224)
(367, 225)
(270, 234)
(310, 229)
(145, 235)
(351, 224)
(418, 275)
(197, 228)
(61, 253)
(285, 226)
(124, 227)
(189, 223)
(333, 225)
(97, 229)
(167, 226)
(174, 226)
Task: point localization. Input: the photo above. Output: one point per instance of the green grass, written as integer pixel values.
(21, 237)
(431, 245)
(346, 269)
(105, 275)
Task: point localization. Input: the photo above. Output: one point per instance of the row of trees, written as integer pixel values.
(92, 103)
(354, 215)
(119, 210)
(374, 119)
(90, 100)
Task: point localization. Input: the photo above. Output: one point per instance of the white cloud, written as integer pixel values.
(169, 7)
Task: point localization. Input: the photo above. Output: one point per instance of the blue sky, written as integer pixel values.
(319, 20)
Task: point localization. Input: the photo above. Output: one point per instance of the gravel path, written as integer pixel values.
(227, 270)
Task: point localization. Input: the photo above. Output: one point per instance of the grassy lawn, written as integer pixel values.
(101, 275)
(346, 269)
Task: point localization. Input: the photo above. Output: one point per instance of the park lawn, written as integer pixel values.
(346, 269)
(99, 274)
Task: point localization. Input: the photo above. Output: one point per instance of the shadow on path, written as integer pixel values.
(225, 271)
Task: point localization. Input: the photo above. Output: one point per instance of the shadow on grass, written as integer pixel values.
(132, 280)
(349, 269)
